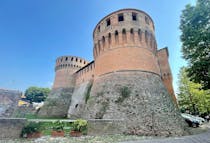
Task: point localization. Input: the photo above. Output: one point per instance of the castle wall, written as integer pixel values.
(85, 74)
(8, 102)
(126, 79)
(166, 71)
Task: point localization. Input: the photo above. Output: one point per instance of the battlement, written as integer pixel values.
(86, 73)
(70, 62)
(124, 28)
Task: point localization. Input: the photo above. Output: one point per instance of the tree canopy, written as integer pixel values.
(36, 94)
(191, 95)
(195, 37)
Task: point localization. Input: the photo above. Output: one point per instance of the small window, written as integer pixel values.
(99, 28)
(66, 58)
(76, 59)
(134, 16)
(80, 61)
(108, 22)
(120, 17)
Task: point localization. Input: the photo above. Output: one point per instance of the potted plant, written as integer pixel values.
(32, 130)
(58, 129)
(78, 128)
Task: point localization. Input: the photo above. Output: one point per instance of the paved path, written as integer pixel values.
(199, 138)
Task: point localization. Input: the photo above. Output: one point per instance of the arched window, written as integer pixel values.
(76, 59)
(116, 36)
(72, 59)
(139, 34)
(146, 36)
(109, 38)
(132, 34)
(124, 37)
(66, 58)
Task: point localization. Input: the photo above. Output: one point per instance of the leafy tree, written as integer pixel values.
(195, 37)
(36, 94)
(191, 95)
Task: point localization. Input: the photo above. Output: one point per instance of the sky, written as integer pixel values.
(33, 33)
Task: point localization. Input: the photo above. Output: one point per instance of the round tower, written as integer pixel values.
(127, 83)
(125, 40)
(65, 67)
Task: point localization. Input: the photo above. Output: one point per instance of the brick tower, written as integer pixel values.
(128, 82)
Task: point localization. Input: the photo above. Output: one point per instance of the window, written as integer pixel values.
(99, 28)
(72, 59)
(120, 17)
(66, 58)
(134, 16)
(108, 22)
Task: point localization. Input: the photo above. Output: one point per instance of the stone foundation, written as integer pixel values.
(57, 103)
(139, 98)
(105, 127)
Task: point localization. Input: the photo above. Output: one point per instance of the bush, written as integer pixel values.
(80, 125)
(58, 126)
(31, 127)
(124, 93)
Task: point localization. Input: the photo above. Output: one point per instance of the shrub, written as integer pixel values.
(80, 125)
(58, 126)
(124, 93)
(31, 127)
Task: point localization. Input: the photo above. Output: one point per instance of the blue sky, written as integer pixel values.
(33, 33)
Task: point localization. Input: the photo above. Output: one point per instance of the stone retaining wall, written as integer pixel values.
(11, 127)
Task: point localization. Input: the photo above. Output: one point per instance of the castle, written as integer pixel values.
(123, 41)
(129, 79)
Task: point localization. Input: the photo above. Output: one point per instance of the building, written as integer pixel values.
(129, 79)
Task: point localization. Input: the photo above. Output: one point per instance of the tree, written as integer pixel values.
(36, 94)
(191, 95)
(195, 37)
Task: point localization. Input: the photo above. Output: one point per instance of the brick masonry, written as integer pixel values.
(125, 58)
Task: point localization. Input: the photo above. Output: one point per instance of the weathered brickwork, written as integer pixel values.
(166, 71)
(128, 80)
